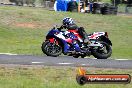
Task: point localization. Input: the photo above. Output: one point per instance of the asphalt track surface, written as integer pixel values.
(64, 61)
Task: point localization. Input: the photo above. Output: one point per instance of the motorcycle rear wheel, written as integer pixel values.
(102, 54)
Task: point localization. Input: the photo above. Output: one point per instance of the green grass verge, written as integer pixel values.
(52, 77)
(23, 29)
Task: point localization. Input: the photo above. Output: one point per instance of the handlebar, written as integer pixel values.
(59, 28)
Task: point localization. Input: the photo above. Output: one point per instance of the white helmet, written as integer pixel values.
(68, 21)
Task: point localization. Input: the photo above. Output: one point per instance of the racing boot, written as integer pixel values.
(86, 42)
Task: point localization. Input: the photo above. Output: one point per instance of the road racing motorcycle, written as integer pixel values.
(71, 43)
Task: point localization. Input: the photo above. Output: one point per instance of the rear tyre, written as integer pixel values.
(102, 52)
(83, 56)
(51, 49)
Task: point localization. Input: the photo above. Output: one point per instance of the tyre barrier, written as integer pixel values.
(109, 10)
(96, 8)
(72, 6)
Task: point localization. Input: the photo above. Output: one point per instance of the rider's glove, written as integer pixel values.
(60, 28)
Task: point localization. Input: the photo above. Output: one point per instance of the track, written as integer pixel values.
(64, 61)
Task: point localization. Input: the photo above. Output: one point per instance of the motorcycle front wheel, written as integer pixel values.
(51, 49)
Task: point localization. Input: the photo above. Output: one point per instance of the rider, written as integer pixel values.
(68, 23)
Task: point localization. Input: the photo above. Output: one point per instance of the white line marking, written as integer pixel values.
(37, 62)
(93, 58)
(8, 54)
(121, 59)
(83, 64)
(64, 63)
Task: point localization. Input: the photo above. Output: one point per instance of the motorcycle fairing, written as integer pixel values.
(99, 36)
(75, 32)
(95, 35)
(55, 35)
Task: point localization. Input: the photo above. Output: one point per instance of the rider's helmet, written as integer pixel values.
(68, 21)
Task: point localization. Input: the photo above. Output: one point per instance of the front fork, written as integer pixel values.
(63, 44)
(53, 40)
(66, 47)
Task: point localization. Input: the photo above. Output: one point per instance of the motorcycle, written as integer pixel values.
(71, 43)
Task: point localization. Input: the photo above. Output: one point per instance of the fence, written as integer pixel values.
(125, 9)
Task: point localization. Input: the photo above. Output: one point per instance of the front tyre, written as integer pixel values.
(102, 52)
(76, 56)
(51, 49)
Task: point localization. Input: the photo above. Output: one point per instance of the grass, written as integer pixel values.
(52, 77)
(23, 29)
